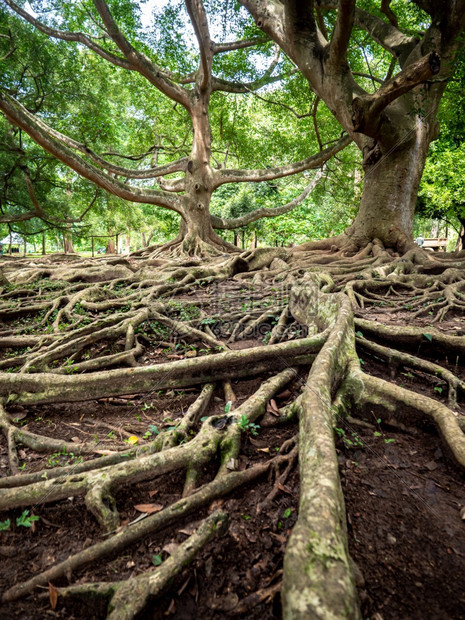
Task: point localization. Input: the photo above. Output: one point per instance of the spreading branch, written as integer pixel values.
(199, 22)
(315, 161)
(367, 109)
(78, 37)
(342, 32)
(18, 115)
(258, 214)
(220, 48)
(139, 61)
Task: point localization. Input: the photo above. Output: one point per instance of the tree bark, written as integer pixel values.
(68, 241)
(110, 248)
(390, 191)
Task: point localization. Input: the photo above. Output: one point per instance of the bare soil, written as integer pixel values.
(403, 500)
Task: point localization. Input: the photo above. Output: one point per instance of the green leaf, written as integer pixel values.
(25, 520)
(227, 407)
(359, 334)
(377, 434)
(157, 560)
(428, 337)
(287, 513)
(5, 525)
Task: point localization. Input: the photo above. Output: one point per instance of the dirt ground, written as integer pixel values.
(405, 510)
(403, 500)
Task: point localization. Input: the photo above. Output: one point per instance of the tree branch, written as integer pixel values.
(241, 88)
(386, 9)
(78, 37)
(230, 224)
(139, 62)
(19, 116)
(367, 109)
(315, 161)
(174, 185)
(220, 48)
(386, 35)
(199, 21)
(130, 173)
(341, 33)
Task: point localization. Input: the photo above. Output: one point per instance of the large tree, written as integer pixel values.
(189, 195)
(393, 124)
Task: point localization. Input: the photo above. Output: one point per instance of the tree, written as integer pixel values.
(393, 124)
(189, 195)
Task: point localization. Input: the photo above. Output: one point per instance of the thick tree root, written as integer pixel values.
(126, 598)
(147, 312)
(318, 579)
(132, 533)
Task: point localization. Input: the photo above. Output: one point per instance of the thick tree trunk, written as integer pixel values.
(110, 247)
(68, 242)
(390, 191)
(461, 238)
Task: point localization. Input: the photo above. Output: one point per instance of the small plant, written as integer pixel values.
(5, 525)
(287, 513)
(25, 520)
(152, 430)
(353, 441)
(157, 560)
(247, 426)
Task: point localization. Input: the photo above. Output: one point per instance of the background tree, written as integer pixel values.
(394, 120)
(113, 32)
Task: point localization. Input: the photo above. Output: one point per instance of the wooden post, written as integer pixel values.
(117, 244)
(92, 247)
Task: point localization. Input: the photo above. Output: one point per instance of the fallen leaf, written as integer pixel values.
(273, 405)
(132, 439)
(170, 548)
(148, 508)
(462, 514)
(152, 493)
(271, 409)
(18, 416)
(284, 489)
(266, 450)
(53, 596)
(75, 439)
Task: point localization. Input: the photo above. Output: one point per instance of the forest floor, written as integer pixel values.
(405, 501)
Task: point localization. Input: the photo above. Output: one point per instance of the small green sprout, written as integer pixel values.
(25, 520)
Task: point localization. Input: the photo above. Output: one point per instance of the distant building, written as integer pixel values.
(15, 240)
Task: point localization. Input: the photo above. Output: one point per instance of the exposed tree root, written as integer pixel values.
(126, 598)
(79, 335)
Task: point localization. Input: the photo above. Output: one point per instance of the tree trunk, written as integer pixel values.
(461, 238)
(110, 248)
(68, 242)
(389, 195)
